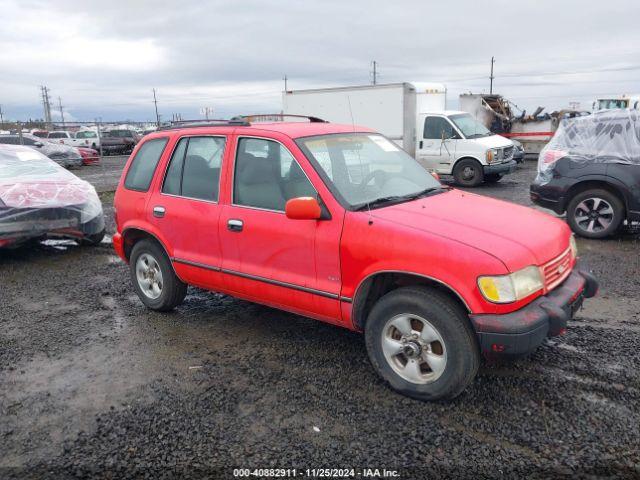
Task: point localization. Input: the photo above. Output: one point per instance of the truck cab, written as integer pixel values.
(454, 143)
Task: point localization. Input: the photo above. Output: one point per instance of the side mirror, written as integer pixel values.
(303, 208)
(38, 144)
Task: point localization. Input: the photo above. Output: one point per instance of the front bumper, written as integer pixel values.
(501, 168)
(521, 332)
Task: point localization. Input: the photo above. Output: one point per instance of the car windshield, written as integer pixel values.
(469, 126)
(24, 163)
(610, 103)
(366, 169)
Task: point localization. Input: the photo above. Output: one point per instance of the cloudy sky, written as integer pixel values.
(103, 58)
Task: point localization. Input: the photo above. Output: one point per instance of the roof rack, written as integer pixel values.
(277, 117)
(234, 122)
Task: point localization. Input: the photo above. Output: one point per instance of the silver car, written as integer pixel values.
(63, 155)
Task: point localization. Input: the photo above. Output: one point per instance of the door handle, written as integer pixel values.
(420, 143)
(158, 211)
(235, 225)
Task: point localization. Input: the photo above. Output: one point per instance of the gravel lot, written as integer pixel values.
(94, 385)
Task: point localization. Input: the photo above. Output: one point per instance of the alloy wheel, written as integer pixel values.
(149, 276)
(593, 215)
(414, 348)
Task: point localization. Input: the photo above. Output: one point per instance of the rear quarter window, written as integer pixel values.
(144, 165)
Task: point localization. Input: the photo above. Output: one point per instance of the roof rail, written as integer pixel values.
(277, 117)
(234, 122)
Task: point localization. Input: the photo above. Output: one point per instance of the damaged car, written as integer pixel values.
(63, 155)
(590, 170)
(39, 199)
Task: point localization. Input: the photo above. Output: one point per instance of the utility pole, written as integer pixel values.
(1, 117)
(61, 111)
(375, 72)
(155, 101)
(285, 83)
(491, 77)
(46, 105)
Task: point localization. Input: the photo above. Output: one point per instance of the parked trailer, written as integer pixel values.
(413, 116)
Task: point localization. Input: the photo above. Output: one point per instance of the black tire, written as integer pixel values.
(173, 290)
(595, 222)
(492, 177)
(93, 240)
(448, 319)
(468, 173)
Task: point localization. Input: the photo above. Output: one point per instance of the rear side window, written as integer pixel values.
(144, 164)
(194, 171)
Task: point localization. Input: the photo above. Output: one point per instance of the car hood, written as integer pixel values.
(493, 141)
(516, 235)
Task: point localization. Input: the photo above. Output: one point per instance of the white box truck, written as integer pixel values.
(414, 116)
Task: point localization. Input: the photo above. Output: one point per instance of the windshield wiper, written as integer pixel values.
(400, 198)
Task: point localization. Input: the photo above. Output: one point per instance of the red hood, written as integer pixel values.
(518, 236)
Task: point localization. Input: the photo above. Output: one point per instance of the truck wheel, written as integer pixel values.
(492, 177)
(153, 277)
(468, 173)
(595, 213)
(422, 344)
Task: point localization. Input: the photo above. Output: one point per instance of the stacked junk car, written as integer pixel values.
(40, 199)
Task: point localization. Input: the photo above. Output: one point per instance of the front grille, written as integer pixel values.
(508, 153)
(557, 270)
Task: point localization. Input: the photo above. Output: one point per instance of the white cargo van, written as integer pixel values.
(413, 115)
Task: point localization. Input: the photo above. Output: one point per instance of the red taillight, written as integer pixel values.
(552, 156)
(498, 347)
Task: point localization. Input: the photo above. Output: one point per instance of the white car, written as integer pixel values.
(81, 138)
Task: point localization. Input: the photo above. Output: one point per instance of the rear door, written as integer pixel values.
(185, 207)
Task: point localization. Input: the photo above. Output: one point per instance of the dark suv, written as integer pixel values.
(591, 170)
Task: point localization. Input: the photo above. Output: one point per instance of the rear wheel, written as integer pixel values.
(468, 173)
(422, 344)
(153, 277)
(595, 213)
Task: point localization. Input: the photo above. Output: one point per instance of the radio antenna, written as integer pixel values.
(353, 127)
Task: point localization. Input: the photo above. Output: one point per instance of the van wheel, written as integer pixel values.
(422, 344)
(153, 277)
(468, 173)
(492, 177)
(595, 213)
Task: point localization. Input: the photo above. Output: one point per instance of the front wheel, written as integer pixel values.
(468, 173)
(422, 344)
(153, 277)
(595, 213)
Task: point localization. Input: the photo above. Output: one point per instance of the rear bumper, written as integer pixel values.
(502, 168)
(521, 332)
(548, 197)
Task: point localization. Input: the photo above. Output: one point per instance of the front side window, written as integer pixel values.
(438, 128)
(144, 164)
(266, 175)
(365, 169)
(194, 170)
(469, 126)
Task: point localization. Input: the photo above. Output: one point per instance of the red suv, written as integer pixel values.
(337, 223)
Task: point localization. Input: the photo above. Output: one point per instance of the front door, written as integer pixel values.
(436, 150)
(185, 208)
(268, 257)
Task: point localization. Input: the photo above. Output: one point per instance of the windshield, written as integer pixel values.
(611, 103)
(362, 168)
(469, 126)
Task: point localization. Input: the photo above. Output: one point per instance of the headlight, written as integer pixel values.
(574, 246)
(513, 287)
(490, 156)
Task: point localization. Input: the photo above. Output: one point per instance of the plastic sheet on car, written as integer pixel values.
(38, 197)
(609, 136)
